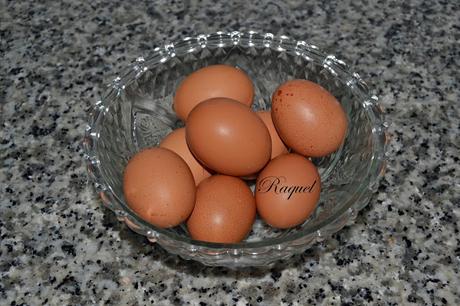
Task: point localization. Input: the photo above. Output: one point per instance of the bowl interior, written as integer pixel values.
(141, 114)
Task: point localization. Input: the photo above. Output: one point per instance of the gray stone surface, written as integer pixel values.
(59, 247)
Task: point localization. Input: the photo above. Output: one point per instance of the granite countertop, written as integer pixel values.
(60, 247)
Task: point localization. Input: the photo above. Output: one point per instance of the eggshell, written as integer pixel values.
(224, 211)
(175, 141)
(308, 118)
(278, 147)
(226, 136)
(212, 82)
(159, 187)
(287, 190)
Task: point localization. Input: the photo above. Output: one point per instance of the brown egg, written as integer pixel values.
(278, 147)
(224, 210)
(287, 190)
(308, 118)
(226, 136)
(212, 82)
(159, 187)
(175, 141)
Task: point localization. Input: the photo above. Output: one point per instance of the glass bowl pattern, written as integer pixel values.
(136, 112)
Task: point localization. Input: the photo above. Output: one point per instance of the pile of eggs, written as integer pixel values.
(199, 173)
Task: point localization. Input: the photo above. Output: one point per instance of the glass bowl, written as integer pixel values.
(136, 112)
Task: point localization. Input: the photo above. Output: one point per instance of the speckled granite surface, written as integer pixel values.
(59, 247)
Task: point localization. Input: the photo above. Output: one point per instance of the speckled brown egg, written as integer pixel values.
(308, 118)
(224, 210)
(175, 141)
(159, 187)
(212, 82)
(287, 190)
(278, 147)
(228, 137)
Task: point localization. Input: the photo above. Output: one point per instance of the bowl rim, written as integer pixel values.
(279, 43)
